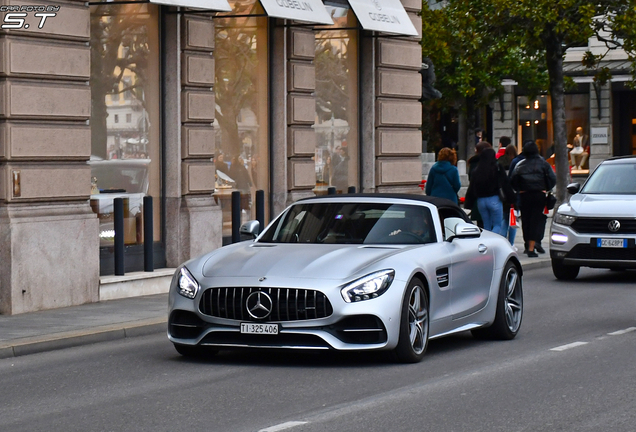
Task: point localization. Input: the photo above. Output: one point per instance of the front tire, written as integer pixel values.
(564, 272)
(509, 307)
(414, 321)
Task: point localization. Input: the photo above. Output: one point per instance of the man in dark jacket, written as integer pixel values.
(532, 178)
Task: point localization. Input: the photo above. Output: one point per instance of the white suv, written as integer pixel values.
(597, 227)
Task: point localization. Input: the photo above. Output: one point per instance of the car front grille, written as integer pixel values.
(288, 304)
(601, 226)
(603, 254)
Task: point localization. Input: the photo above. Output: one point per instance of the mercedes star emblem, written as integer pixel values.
(259, 305)
(614, 225)
(261, 279)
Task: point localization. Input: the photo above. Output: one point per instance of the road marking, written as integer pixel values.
(283, 426)
(568, 346)
(621, 332)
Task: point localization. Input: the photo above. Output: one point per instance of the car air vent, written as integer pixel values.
(442, 277)
(287, 304)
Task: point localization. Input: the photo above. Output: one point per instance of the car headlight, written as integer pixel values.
(564, 219)
(187, 285)
(368, 287)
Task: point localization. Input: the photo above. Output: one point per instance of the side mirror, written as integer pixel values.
(573, 188)
(250, 228)
(458, 228)
(465, 230)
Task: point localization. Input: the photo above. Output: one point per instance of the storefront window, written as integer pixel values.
(125, 120)
(535, 120)
(336, 103)
(241, 76)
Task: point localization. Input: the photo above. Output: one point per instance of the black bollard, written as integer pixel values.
(331, 191)
(352, 189)
(236, 216)
(260, 210)
(148, 235)
(118, 214)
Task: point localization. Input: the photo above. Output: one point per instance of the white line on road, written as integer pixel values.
(568, 346)
(283, 426)
(620, 332)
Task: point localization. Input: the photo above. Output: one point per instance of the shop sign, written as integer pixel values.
(312, 11)
(600, 135)
(216, 5)
(386, 16)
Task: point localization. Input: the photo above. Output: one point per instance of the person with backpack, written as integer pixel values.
(532, 177)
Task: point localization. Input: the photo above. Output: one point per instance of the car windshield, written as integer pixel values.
(353, 223)
(612, 178)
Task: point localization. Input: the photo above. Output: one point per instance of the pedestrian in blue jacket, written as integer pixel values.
(443, 178)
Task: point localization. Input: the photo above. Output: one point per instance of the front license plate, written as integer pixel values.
(611, 243)
(253, 328)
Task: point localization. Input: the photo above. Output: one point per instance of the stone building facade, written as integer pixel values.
(53, 241)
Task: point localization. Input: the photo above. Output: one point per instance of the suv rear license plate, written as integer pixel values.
(611, 243)
(253, 328)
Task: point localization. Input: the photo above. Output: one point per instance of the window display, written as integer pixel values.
(336, 103)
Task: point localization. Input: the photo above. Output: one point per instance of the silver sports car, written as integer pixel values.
(350, 272)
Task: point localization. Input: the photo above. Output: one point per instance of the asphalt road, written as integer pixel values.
(570, 369)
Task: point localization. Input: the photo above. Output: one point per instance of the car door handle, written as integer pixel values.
(482, 248)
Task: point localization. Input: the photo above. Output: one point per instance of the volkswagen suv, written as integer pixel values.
(597, 227)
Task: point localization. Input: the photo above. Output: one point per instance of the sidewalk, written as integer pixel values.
(117, 319)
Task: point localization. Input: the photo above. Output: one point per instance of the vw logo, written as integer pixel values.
(377, 4)
(614, 225)
(259, 305)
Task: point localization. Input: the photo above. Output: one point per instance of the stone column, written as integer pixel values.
(398, 112)
(600, 152)
(503, 120)
(301, 114)
(49, 236)
(193, 219)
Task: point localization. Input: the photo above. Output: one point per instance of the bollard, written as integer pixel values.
(260, 210)
(236, 216)
(148, 235)
(331, 191)
(352, 190)
(118, 214)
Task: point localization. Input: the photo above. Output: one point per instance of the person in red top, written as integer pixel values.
(503, 143)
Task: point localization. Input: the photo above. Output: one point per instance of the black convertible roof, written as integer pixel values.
(438, 202)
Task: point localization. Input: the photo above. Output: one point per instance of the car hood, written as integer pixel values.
(603, 205)
(312, 261)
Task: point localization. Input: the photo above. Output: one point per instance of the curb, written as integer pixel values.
(533, 265)
(39, 344)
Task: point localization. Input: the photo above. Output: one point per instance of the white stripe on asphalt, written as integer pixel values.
(568, 346)
(620, 332)
(283, 426)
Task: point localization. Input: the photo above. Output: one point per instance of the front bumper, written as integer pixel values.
(365, 325)
(574, 248)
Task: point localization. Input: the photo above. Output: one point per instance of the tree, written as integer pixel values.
(537, 33)
(545, 29)
(472, 56)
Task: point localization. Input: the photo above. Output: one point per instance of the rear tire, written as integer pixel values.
(509, 307)
(564, 272)
(194, 350)
(414, 321)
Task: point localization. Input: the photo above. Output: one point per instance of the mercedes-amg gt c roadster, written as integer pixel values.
(350, 272)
